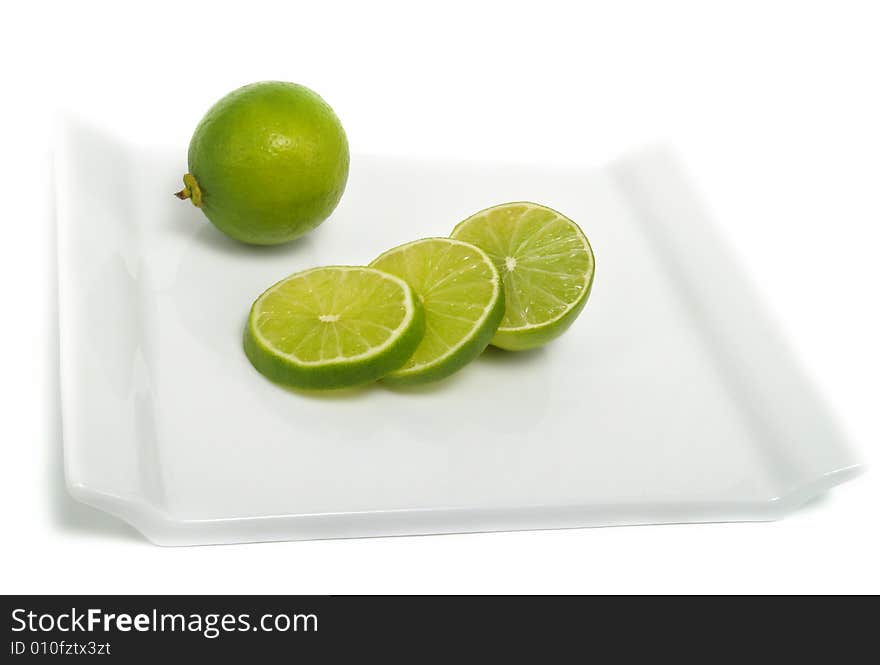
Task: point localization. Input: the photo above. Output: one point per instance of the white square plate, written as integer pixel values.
(671, 399)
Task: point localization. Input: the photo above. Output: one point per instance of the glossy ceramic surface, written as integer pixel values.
(671, 399)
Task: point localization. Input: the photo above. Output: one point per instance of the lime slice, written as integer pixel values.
(546, 264)
(333, 327)
(461, 292)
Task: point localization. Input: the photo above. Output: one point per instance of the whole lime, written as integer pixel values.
(267, 163)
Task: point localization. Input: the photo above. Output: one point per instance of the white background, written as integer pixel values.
(774, 105)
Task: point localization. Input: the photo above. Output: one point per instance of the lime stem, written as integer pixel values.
(191, 190)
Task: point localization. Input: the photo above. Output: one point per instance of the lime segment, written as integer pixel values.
(333, 327)
(546, 264)
(461, 291)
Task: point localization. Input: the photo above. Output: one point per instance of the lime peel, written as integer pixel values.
(306, 330)
(463, 298)
(547, 266)
(267, 163)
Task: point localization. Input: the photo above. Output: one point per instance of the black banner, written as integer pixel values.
(328, 628)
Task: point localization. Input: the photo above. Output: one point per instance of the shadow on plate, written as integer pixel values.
(495, 356)
(491, 356)
(208, 236)
(340, 394)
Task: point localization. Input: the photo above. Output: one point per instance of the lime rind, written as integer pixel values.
(340, 371)
(506, 251)
(267, 163)
(480, 329)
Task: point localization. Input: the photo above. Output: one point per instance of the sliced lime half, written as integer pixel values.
(546, 264)
(333, 327)
(460, 289)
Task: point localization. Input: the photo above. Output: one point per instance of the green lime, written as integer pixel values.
(461, 292)
(546, 264)
(267, 163)
(333, 327)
